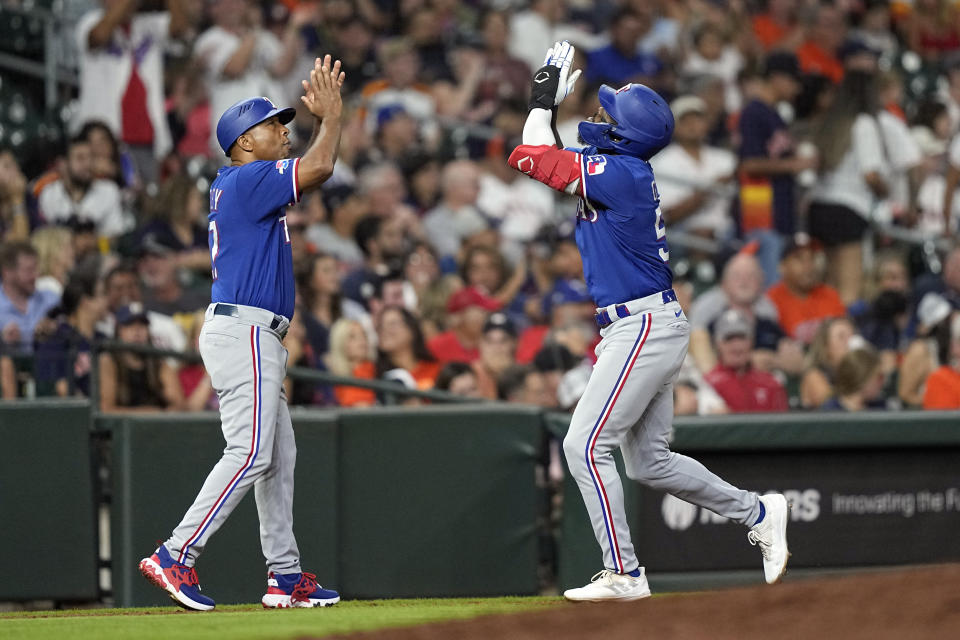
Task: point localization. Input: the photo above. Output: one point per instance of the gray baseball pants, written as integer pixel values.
(246, 362)
(628, 403)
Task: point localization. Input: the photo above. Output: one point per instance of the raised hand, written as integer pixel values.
(560, 55)
(321, 91)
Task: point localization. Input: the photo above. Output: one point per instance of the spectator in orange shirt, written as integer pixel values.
(943, 385)
(403, 353)
(467, 311)
(778, 28)
(803, 301)
(818, 55)
(350, 355)
(743, 388)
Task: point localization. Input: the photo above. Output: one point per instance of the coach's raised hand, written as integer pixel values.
(321, 95)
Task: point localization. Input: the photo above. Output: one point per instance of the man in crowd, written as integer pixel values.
(467, 312)
(802, 299)
(77, 193)
(456, 217)
(498, 347)
(382, 242)
(743, 388)
(22, 305)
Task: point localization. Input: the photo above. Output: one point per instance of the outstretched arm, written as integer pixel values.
(322, 98)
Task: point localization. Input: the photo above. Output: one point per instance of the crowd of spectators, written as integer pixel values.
(807, 132)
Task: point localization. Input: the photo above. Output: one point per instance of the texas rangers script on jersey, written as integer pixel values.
(620, 229)
(249, 240)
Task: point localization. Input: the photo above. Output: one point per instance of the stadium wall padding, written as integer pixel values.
(48, 534)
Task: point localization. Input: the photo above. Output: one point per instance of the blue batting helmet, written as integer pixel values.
(644, 122)
(245, 115)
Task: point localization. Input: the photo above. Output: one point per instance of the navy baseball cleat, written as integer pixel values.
(771, 535)
(285, 590)
(178, 580)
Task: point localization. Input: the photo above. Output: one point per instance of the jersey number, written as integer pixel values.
(214, 239)
(658, 224)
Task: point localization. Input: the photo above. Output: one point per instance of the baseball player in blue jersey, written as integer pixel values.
(628, 402)
(252, 301)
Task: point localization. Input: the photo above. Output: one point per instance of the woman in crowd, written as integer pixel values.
(350, 355)
(830, 344)
(108, 162)
(318, 291)
(486, 269)
(943, 385)
(853, 169)
(178, 220)
(55, 258)
(135, 383)
(403, 353)
(859, 381)
(458, 378)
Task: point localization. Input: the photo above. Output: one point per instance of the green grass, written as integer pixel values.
(251, 622)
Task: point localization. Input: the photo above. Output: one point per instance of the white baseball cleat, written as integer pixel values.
(608, 585)
(771, 535)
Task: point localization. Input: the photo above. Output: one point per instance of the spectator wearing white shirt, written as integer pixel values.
(241, 58)
(77, 194)
(713, 55)
(854, 178)
(692, 177)
(535, 30)
(121, 75)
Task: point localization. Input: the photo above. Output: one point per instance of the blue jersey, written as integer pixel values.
(249, 240)
(620, 230)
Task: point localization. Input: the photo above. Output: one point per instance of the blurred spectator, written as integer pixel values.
(400, 85)
(943, 385)
(693, 395)
(355, 46)
(319, 301)
(906, 161)
(567, 304)
(693, 178)
(553, 361)
(832, 342)
(122, 288)
(497, 348)
(623, 61)
(458, 378)
(743, 388)
(300, 353)
(818, 54)
(178, 220)
(741, 288)
(524, 385)
(933, 29)
(384, 189)
(572, 385)
(853, 179)
(163, 292)
(22, 305)
(397, 139)
(778, 27)
(382, 242)
(874, 29)
(859, 381)
(927, 351)
(503, 76)
(431, 289)
(62, 360)
(242, 59)
(109, 163)
(351, 355)
(401, 347)
(801, 298)
(768, 162)
(467, 313)
(883, 322)
(714, 55)
(535, 29)
(78, 193)
(345, 208)
(132, 382)
(946, 283)
(17, 206)
(486, 269)
(457, 216)
(55, 258)
(122, 73)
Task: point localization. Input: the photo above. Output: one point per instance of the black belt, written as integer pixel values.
(232, 311)
(603, 317)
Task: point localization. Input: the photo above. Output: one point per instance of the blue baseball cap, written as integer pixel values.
(245, 115)
(566, 292)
